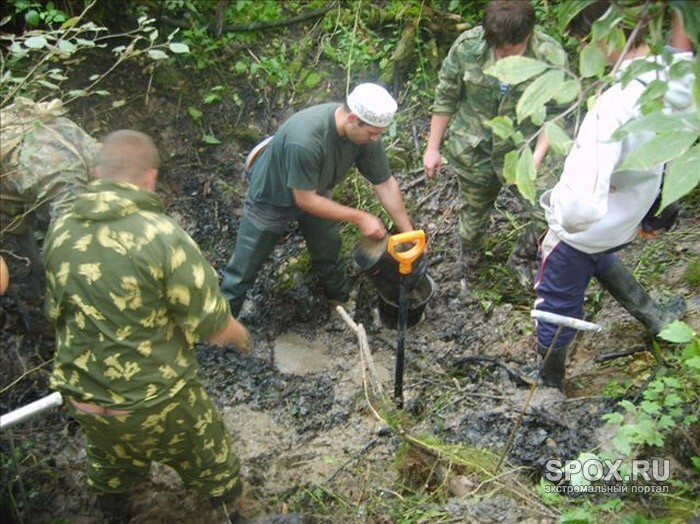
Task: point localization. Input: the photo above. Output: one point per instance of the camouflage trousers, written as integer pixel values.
(480, 181)
(185, 432)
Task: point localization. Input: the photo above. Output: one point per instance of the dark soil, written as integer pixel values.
(307, 438)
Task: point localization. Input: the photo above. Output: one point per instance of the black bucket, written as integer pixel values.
(373, 259)
(418, 298)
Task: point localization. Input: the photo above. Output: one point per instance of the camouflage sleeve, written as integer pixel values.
(449, 89)
(192, 290)
(51, 297)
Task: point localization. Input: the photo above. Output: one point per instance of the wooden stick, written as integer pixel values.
(368, 369)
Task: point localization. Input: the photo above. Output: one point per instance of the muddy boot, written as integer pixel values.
(115, 507)
(471, 259)
(523, 259)
(621, 284)
(231, 503)
(253, 247)
(553, 367)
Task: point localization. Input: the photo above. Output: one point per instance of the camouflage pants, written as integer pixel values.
(480, 181)
(185, 432)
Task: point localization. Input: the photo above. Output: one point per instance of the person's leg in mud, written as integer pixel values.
(111, 472)
(185, 432)
(522, 261)
(324, 244)
(198, 447)
(254, 244)
(562, 279)
(479, 186)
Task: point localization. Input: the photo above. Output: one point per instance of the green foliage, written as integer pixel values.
(665, 400)
(675, 143)
(37, 13)
(37, 62)
(516, 69)
(615, 389)
(692, 274)
(589, 512)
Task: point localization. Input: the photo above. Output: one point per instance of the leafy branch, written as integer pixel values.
(669, 402)
(24, 71)
(677, 136)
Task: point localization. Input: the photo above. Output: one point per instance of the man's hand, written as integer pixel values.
(432, 159)
(370, 226)
(324, 207)
(432, 162)
(234, 334)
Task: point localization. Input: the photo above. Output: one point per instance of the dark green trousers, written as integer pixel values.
(479, 182)
(255, 243)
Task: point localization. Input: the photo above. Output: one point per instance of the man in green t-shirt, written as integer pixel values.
(130, 294)
(292, 179)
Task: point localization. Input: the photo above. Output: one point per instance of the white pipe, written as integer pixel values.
(561, 320)
(30, 410)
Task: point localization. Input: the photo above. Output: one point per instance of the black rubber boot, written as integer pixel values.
(523, 259)
(231, 502)
(553, 367)
(621, 284)
(115, 507)
(253, 246)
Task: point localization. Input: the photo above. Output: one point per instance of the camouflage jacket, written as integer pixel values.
(470, 97)
(130, 293)
(46, 160)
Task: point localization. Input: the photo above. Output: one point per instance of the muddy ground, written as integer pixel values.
(304, 430)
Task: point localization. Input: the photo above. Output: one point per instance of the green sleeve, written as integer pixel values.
(373, 163)
(194, 299)
(449, 89)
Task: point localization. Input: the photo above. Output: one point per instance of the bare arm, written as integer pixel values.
(311, 202)
(234, 334)
(432, 160)
(389, 194)
(541, 148)
(679, 38)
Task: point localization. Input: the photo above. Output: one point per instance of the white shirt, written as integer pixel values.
(593, 207)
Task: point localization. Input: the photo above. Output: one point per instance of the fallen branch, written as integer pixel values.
(619, 354)
(369, 372)
(517, 377)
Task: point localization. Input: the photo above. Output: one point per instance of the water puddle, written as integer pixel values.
(293, 354)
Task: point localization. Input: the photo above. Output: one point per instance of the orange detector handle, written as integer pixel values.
(406, 258)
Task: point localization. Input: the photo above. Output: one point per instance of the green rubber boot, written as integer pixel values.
(624, 288)
(253, 247)
(553, 368)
